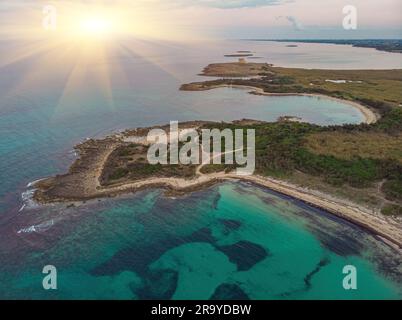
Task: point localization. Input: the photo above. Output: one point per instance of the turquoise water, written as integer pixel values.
(230, 241)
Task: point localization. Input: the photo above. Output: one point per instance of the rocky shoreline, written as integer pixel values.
(82, 183)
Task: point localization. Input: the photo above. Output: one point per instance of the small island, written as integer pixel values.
(351, 171)
(238, 55)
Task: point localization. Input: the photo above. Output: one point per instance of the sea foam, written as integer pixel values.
(38, 228)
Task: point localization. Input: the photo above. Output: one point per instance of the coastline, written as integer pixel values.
(351, 212)
(84, 180)
(369, 115)
(343, 209)
(340, 208)
(378, 45)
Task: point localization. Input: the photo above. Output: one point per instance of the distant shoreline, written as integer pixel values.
(385, 45)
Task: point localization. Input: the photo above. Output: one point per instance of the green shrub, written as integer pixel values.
(392, 210)
(393, 189)
(119, 173)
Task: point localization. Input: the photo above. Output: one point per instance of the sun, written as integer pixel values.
(94, 22)
(95, 26)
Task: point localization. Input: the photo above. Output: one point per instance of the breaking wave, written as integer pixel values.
(42, 227)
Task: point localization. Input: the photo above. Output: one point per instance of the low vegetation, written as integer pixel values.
(392, 210)
(129, 162)
(352, 145)
(338, 156)
(353, 157)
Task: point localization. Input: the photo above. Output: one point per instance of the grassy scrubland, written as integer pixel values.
(129, 162)
(376, 88)
(366, 162)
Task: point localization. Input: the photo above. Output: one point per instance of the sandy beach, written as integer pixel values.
(339, 207)
(86, 186)
(369, 115)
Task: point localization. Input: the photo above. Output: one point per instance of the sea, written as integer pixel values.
(229, 241)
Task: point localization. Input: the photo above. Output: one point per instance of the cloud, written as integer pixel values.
(231, 4)
(293, 21)
(221, 4)
(296, 24)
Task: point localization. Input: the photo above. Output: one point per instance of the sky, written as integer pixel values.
(233, 19)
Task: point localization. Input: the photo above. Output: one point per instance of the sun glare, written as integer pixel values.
(95, 26)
